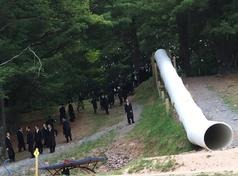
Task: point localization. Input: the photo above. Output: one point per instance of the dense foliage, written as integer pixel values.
(84, 44)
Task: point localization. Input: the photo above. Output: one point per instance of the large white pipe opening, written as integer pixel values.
(200, 131)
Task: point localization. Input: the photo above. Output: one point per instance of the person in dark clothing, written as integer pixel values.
(129, 112)
(105, 103)
(120, 95)
(124, 92)
(111, 99)
(9, 148)
(67, 130)
(45, 134)
(71, 112)
(94, 103)
(51, 139)
(38, 139)
(135, 79)
(51, 122)
(62, 113)
(101, 101)
(30, 141)
(20, 140)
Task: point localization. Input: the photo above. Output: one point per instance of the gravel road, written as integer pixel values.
(212, 105)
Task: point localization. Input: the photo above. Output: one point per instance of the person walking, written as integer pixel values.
(30, 141)
(38, 139)
(105, 103)
(67, 130)
(20, 140)
(9, 148)
(62, 113)
(120, 95)
(51, 139)
(71, 112)
(129, 112)
(94, 103)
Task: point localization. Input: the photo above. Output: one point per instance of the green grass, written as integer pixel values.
(146, 92)
(228, 96)
(101, 120)
(160, 133)
(168, 164)
(85, 149)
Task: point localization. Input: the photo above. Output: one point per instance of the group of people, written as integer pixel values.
(45, 137)
(121, 87)
(63, 115)
(40, 138)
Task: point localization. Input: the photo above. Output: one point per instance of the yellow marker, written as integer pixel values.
(36, 154)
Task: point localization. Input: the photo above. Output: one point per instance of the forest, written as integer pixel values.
(53, 50)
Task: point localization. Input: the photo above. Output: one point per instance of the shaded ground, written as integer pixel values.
(117, 115)
(86, 123)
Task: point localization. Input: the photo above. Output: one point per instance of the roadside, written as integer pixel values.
(217, 97)
(26, 166)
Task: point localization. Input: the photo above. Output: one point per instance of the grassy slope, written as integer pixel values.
(160, 132)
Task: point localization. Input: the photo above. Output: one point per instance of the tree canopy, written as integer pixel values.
(83, 44)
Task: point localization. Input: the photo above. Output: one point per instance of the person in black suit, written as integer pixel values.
(129, 112)
(45, 134)
(38, 139)
(51, 139)
(51, 121)
(20, 140)
(67, 130)
(71, 112)
(30, 141)
(62, 112)
(104, 100)
(94, 103)
(9, 148)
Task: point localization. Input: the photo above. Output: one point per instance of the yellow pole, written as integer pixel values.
(36, 154)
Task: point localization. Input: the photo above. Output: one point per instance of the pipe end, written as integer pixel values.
(218, 136)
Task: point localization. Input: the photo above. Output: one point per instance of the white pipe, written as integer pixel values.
(200, 131)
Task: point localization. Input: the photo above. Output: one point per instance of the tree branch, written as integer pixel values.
(18, 55)
(14, 57)
(39, 60)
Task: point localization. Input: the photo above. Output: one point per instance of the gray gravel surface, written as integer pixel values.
(212, 105)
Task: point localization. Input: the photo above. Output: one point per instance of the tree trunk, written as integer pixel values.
(2, 129)
(224, 51)
(136, 53)
(183, 25)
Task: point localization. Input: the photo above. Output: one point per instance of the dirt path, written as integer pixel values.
(22, 167)
(206, 162)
